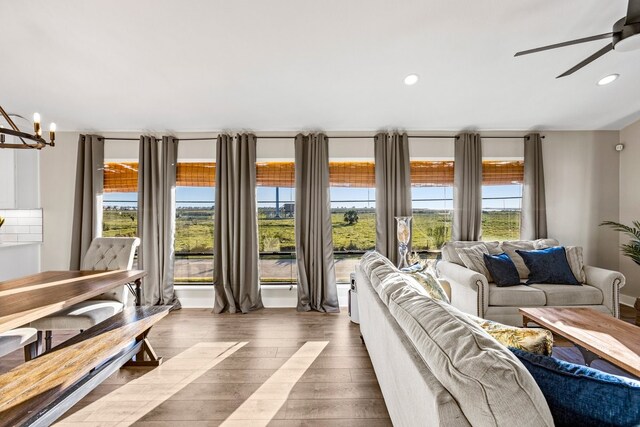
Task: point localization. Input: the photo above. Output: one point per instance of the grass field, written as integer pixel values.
(194, 229)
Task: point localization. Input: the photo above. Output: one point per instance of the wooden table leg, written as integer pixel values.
(138, 283)
(139, 358)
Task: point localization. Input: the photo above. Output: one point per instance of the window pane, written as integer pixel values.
(432, 215)
(501, 209)
(276, 210)
(194, 234)
(120, 215)
(501, 199)
(432, 204)
(353, 218)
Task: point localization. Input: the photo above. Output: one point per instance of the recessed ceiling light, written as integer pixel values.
(411, 79)
(608, 79)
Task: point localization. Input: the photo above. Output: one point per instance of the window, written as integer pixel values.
(501, 199)
(353, 217)
(432, 202)
(276, 211)
(195, 201)
(120, 199)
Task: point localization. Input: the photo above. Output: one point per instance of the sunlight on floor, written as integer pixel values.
(137, 398)
(263, 405)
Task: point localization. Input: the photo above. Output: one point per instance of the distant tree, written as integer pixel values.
(351, 216)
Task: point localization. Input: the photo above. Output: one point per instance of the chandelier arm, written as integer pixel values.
(8, 119)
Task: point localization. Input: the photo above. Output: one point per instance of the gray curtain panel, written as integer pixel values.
(156, 218)
(314, 241)
(393, 189)
(237, 283)
(87, 209)
(467, 194)
(534, 208)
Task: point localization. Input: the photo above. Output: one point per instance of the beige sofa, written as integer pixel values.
(435, 367)
(472, 293)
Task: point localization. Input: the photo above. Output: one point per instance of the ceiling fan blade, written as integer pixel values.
(598, 54)
(633, 12)
(563, 44)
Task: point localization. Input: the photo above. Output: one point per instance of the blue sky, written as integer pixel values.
(341, 197)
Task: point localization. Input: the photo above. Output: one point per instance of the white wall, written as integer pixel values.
(581, 180)
(630, 200)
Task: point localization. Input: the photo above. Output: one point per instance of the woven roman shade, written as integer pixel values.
(496, 172)
(122, 177)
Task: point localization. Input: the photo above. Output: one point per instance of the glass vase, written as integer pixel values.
(403, 232)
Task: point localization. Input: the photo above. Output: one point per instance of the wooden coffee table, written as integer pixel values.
(595, 334)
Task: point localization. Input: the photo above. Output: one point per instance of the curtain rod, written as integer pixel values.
(334, 137)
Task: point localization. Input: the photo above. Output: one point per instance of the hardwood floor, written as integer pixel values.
(274, 367)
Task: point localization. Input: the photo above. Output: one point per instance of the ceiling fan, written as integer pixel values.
(625, 37)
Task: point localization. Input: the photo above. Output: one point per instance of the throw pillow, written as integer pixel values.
(473, 259)
(548, 266)
(533, 340)
(502, 269)
(510, 247)
(581, 396)
(575, 258)
(449, 249)
(431, 285)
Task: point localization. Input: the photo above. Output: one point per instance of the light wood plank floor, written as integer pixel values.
(221, 367)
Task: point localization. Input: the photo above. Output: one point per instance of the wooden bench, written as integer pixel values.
(38, 392)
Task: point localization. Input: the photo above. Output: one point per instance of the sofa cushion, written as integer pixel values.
(490, 385)
(450, 254)
(596, 398)
(377, 268)
(570, 294)
(510, 247)
(516, 296)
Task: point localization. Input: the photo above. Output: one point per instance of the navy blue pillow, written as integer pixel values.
(548, 266)
(502, 269)
(581, 396)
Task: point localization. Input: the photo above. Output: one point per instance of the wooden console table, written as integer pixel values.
(595, 334)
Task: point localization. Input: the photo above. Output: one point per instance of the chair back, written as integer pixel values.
(111, 253)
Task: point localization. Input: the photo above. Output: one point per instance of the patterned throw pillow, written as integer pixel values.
(473, 259)
(431, 285)
(533, 340)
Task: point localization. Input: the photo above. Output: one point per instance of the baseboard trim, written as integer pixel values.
(273, 296)
(627, 300)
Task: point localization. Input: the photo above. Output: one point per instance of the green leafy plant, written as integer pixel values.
(631, 249)
(351, 217)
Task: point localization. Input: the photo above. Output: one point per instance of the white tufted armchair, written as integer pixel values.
(104, 253)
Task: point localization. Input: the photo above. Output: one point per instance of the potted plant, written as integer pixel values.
(630, 249)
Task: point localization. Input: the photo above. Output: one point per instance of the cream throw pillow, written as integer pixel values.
(473, 259)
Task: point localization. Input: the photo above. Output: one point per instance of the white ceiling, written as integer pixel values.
(300, 64)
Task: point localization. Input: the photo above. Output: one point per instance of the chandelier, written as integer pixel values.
(35, 140)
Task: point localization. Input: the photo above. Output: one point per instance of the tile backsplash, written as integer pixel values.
(21, 225)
